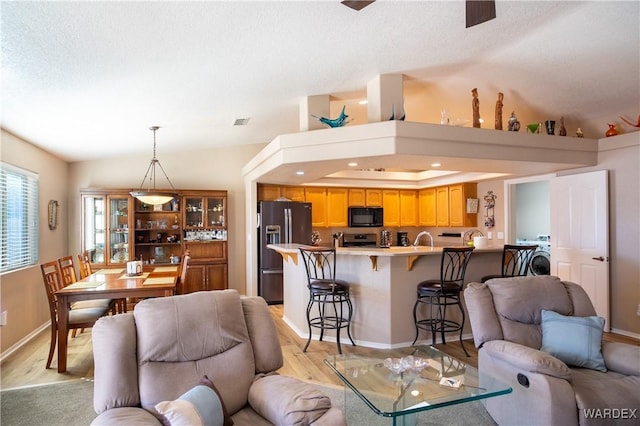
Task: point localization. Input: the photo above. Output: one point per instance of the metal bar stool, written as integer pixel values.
(515, 261)
(327, 293)
(440, 293)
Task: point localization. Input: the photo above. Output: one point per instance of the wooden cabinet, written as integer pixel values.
(117, 228)
(391, 205)
(208, 268)
(158, 231)
(273, 192)
(357, 197)
(106, 221)
(442, 206)
(294, 193)
(337, 204)
(365, 197)
(318, 199)
(408, 208)
(373, 197)
(268, 192)
(458, 195)
(427, 207)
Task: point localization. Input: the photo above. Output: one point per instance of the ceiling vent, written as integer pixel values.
(241, 121)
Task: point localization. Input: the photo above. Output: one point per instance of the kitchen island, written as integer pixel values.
(383, 289)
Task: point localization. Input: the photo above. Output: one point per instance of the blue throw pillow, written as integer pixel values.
(576, 341)
(200, 405)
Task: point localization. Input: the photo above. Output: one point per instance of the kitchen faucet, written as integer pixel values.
(417, 240)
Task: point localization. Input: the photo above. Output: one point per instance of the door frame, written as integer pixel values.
(509, 195)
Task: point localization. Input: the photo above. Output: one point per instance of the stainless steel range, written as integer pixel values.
(359, 240)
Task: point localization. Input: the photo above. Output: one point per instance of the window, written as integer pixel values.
(18, 217)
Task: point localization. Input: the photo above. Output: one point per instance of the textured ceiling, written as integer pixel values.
(85, 80)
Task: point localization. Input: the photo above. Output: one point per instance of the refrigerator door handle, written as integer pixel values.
(287, 226)
(259, 216)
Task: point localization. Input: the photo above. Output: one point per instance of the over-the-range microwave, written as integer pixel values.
(365, 217)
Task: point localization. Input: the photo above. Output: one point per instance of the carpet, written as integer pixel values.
(71, 403)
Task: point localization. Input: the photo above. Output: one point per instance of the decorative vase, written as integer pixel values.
(563, 130)
(550, 126)
(533, 127)
(612, 130)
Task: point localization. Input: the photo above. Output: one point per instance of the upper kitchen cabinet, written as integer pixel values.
(274, 192)
(408, 208)
(318, 199)
(427, 207)
(359, 197)
(391, 205)
(458, 195)
(106, 221)
(442, 206)
(337, 207)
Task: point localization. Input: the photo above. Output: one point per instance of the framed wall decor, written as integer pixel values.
(53, 214)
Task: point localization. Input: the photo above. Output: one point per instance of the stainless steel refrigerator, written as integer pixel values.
(280, 222)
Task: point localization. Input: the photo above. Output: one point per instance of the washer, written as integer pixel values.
(540, 263)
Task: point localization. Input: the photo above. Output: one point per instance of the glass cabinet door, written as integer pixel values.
(94, 227)
(118, 229)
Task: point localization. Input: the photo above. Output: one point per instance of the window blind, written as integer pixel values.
(18, 217)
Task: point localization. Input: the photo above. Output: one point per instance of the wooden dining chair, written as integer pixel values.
(79, 317)
(84, 264)
(68, 274)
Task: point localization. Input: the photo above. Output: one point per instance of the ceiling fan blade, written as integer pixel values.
(479, 11)
(356, 5)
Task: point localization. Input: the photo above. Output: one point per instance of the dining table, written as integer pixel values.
(153, 281)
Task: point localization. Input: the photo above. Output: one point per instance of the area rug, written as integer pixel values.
(71, 403)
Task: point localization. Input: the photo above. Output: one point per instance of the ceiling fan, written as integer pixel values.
(478, 11)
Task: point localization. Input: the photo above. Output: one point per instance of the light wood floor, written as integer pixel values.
(26, 366)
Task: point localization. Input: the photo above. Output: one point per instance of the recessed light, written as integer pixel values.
(363, 102)
(352, 164)
(300, 172)
(436, 164)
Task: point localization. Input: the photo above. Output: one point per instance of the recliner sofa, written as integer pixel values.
(512, 319)
(164, 348)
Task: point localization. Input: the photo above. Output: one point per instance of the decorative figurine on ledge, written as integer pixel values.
(475, 104)
(498, 124)
(579, 133)
(336, 122)
(563, 130)
(514, 124)
(315, 238)
(612, 130)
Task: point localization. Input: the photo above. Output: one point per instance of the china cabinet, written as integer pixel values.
(117, 228)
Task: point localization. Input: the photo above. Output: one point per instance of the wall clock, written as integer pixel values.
(53, 214)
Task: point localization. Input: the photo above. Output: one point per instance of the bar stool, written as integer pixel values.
(515, 261)
(440, 293)
(327, 293)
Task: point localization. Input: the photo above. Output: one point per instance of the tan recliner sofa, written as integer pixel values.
(505, 316)
(166, 345)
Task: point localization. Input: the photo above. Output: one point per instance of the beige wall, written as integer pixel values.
(22, 292)
(215, 169)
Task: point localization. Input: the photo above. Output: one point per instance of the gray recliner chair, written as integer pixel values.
(164, 348)
(507, 323)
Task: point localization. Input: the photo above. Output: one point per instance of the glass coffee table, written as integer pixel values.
(399, 383)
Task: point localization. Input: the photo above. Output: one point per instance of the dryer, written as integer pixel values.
(540, 263)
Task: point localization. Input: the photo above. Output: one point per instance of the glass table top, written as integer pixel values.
(397, 382)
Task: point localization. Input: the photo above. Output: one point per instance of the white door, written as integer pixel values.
(580, 235)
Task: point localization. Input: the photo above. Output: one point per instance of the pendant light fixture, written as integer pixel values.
(153, 196)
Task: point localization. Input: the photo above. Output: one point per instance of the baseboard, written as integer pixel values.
(20, 343)
(625, 333)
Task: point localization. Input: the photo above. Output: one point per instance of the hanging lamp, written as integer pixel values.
(153, 196)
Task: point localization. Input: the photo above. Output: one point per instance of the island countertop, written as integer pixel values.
(382, 283)
(379, 251)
